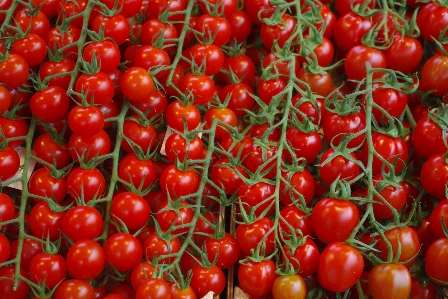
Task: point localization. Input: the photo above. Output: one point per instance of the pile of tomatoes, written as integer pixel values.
(155, 148)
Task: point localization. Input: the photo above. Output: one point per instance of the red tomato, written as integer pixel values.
(349, 30)
(74, 289)
(356, 58)
(174, 215)
(334, 220)
(85, 260)
(257, 278)
(131, 209)
(44, 222)
(14, 71)
(48, 268)
(305, 257)
(340, 258)
(301, 182)
(226, 249)
(157, 247)
(427, 138)
(136, 84)
(396, 276)
(434, 176)
(179, 183)
(154, 288)
(409, 243)
(338, 166)
(396, 197)
(9, 163)
(123, 251)
(249, 236)
(7, 288)
(296, 219)
(138, 173)
(106, 54)
(177, 112)
(82, 222)
(85, 184)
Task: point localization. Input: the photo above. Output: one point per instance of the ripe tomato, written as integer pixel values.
(300, 222)
(226, 249)
(206, 280)
(57, 39)
(306, 145)
(44, 222)
(41, 183)
(179, 183)
(9, 163)
(397, 278)
(7, 289)
(335, 126)
(141, 273)
(50, 104)
(409, 243)
(390, 148)
(151, 58)
(249, 236)
(305, 257)
(338, 166)
(85, 184)
(223, 115)
(74, 289)
(226, 176)
(177, 147)
(176, 113)
(30, 248)
(289, 286)
(136, 84)
(115, 27)
(301, 182)
(85, 260)
(32, 48)
(257, 278)
(216, 30)
(434, 75)
(178, 214)
(186, 293)
(123, 251)
(340, 258)
(427, 138)
(159, 6)
(154, 288)
(106, 53)
(405, 54)
(280, 32)
(156, 246)
(139, 173)
(396, 197)
(334, 220)
(434, 176)
(349, 30)
(14, 71)
(48, 268)
(82, 222)
(97, 88)
(356, 58)
(5, 248)
(260, 194)
(131, 209)
(51, 152)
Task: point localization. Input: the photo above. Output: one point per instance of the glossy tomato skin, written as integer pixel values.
(136, 84)
(74, 289)
(14, 71)
(87, 184)
(434, 176)
(427, 138)
(154, 288)
(301, 182)
(86, 121)
(156, 246)
(396, 197)
(13, 128)
(49, 150)
(289, 286)
(85, 260)
(44, 222)
(177, 112)
(123, 251)
(307, 145)
(206, 280)
(179, 183)
(168, 216)
(82, 222)
(350, 29)
(439, 214)
(340, 258)
(405, 54)
(9, 163)
(395, 276)
(6, 207)
(250, 235)
(422, 291)
(48, 268)
(408, 240)
(139, 173)
(338, 166)
(226, 248)
(434, 75)
(257, 278)
(89, 147)
(334, 220)
(298, 220)
(436, 261)
(356, 59)
(130, 208)
(226, 176)
(259, 193)
(7, 275)
(305, 257)
(390, 148)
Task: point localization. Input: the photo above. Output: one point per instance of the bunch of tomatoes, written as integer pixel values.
(155, 149)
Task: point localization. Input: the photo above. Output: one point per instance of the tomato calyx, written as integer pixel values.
(440, 117)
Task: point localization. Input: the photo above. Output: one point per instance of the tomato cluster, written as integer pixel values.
(300, 146)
